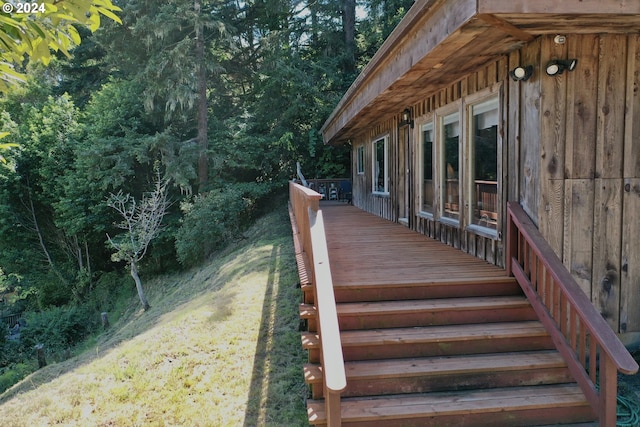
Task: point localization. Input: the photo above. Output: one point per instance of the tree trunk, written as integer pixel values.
(349, 26)
(136, 278)
(203, 143)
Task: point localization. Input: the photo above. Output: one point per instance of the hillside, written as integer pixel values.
(219, 347)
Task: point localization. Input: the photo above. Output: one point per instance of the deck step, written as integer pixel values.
(512, 406)
(444, 311)
(440, 288)
(448, 311)
(435, 341)
(419, 375)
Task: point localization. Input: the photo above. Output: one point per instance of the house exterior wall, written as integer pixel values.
(569, 153)
(589, 167)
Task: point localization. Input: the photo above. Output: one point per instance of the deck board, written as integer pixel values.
(364, 248)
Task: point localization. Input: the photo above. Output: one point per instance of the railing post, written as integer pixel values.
(512, 240)
(332, 407)
(608, 391)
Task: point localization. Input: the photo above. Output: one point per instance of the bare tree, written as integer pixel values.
(141, 222)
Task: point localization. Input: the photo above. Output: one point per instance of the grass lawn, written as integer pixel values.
(219, 347)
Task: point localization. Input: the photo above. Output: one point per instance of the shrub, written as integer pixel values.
(14, 373)
(59, 328)
(212, 219)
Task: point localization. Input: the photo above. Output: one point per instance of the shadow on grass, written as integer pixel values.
(277, 392)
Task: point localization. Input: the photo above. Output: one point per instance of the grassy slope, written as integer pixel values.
(219, 347)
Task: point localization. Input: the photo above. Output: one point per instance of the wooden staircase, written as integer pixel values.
(458, 354)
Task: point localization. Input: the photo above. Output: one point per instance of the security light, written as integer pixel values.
(521, 73)
(558, 66)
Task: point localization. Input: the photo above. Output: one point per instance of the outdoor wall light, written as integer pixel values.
(406, 118)
(558, 66)
(521, 73)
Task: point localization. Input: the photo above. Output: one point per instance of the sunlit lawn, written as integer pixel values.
(219, 347)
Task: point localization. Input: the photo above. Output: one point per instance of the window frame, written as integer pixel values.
(360, 154)
(441, 169)
(472, 101)
(384, 139)
(427, 122)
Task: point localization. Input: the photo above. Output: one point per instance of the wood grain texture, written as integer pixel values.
(607, 229)
(630, 268)
(611, 109)
(553, 121)
(530, 135)
(582, 108)
(578, 231)
(557, 7)
(632, 118)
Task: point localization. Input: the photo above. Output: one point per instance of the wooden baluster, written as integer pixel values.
(583, 345)
(556, 303)
(547, 290)
(534, 271)
(572, 329)
(593, 350)
(562, 314)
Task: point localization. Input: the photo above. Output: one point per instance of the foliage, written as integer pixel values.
(13, 373)
(52, 26)
(98, 122)
(59, 328)
(213, 219)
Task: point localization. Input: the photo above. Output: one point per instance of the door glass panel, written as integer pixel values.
(451, 170)
(380, 167)
(484, 152)
(427, 168)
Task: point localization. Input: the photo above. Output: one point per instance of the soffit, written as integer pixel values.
(441, 41)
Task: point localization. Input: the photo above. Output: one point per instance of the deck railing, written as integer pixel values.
(310, 224)
(591, 349)
(11, 320)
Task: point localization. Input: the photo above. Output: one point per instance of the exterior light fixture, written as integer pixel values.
(558, 66)
(521, 73)
(406, 118)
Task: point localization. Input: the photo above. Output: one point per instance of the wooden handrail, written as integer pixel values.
(593, 352)
(310, 222)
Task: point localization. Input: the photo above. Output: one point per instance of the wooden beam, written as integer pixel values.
(573, 7)
(506, 27)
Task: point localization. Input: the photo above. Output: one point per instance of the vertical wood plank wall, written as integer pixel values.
(571, 157)
(590, 170)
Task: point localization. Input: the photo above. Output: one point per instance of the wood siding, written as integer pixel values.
(589, 164)
(570, 156)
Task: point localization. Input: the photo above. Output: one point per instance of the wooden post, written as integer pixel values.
(42, 361)
(608, 392)
(512, 241)
(105, 320)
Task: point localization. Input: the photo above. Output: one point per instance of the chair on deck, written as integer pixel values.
(345, 191)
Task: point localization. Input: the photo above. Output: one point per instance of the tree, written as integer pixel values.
(32, 30)
(141, 222)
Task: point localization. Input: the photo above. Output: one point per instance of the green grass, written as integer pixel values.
(219, 347)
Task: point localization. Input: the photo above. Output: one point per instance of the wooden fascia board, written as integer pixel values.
(572, 7)
(427, 24)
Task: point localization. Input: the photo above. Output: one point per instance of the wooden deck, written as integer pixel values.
(430, 336)
(366, 249)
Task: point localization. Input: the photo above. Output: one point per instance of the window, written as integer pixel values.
(381, 165)
(360, 160)
(483, 152)
(427, 189)
(449, 129)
